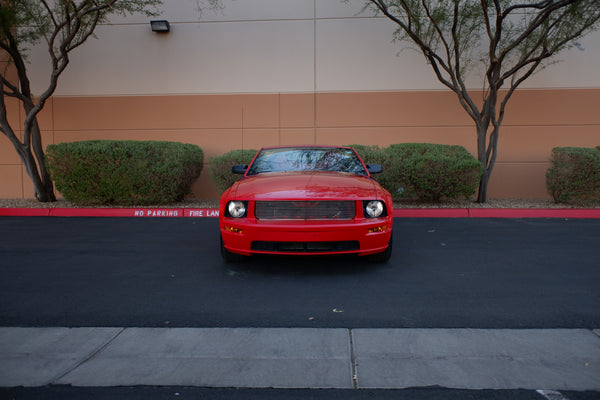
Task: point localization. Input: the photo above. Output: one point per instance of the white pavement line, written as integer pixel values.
(89, 357)
(596, 332)
(551, 394)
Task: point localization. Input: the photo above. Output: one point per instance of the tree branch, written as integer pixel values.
(547, 7)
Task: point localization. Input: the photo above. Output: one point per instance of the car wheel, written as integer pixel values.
(229, 256)
(385, 255)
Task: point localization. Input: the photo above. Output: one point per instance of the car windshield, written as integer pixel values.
(307, 159)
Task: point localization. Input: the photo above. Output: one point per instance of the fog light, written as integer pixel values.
(233, 229)
(381, 228)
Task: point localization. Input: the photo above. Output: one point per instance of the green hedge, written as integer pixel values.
(220, 167)
(424, 171)
(574, 175)
(104, 172)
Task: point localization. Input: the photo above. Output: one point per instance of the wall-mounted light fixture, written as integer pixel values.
(161, 26)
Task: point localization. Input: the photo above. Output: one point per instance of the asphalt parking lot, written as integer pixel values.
(444, 273)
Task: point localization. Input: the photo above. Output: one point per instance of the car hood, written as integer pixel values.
(306, 185)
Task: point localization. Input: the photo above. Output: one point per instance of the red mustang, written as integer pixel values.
(306, 200)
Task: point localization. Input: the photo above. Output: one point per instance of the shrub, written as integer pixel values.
(107, 172)
(435, 171)
(391, 177)
(425, 171)
(220, 167)
(574, 175)
(370, 154)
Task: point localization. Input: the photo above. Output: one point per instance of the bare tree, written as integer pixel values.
(505, 41)
(63, 25)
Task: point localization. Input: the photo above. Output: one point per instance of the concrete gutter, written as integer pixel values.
(144, 212)
(537, 359)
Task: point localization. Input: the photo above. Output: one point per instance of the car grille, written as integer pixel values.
(306, 247)
(299, 210)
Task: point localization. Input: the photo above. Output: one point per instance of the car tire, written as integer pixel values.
(385, 255)
(228, 256)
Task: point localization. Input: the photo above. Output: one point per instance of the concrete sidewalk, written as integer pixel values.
(551, 359)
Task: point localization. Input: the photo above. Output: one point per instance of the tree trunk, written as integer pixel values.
(33, 161)
(42, 184)
(45, 192)
(483, 158)
(483, 185)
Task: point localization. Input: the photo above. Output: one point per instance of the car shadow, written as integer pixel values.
(305, 265)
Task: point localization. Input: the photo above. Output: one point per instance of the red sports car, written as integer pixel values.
(305, 200)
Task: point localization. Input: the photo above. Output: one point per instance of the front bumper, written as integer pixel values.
(360, 236)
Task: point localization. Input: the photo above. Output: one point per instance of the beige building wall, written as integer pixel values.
(271, 72)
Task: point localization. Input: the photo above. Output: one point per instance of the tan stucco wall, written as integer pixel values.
(536, 121)
(271, 72)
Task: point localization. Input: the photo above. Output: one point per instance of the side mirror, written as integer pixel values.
(374, 168)
(239, 169)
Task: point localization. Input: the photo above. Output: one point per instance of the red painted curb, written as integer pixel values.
(534, 213)
(25, 212)
(497, 212)
(104, 212)
(110, 212)
(431, 212)
(212, 212)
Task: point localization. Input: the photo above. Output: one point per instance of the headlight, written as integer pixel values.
(237, 209)
(374, 208)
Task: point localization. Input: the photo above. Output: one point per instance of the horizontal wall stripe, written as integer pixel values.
(536, 121)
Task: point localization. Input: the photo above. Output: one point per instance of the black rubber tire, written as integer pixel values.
(385, 255)
(228, 256)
